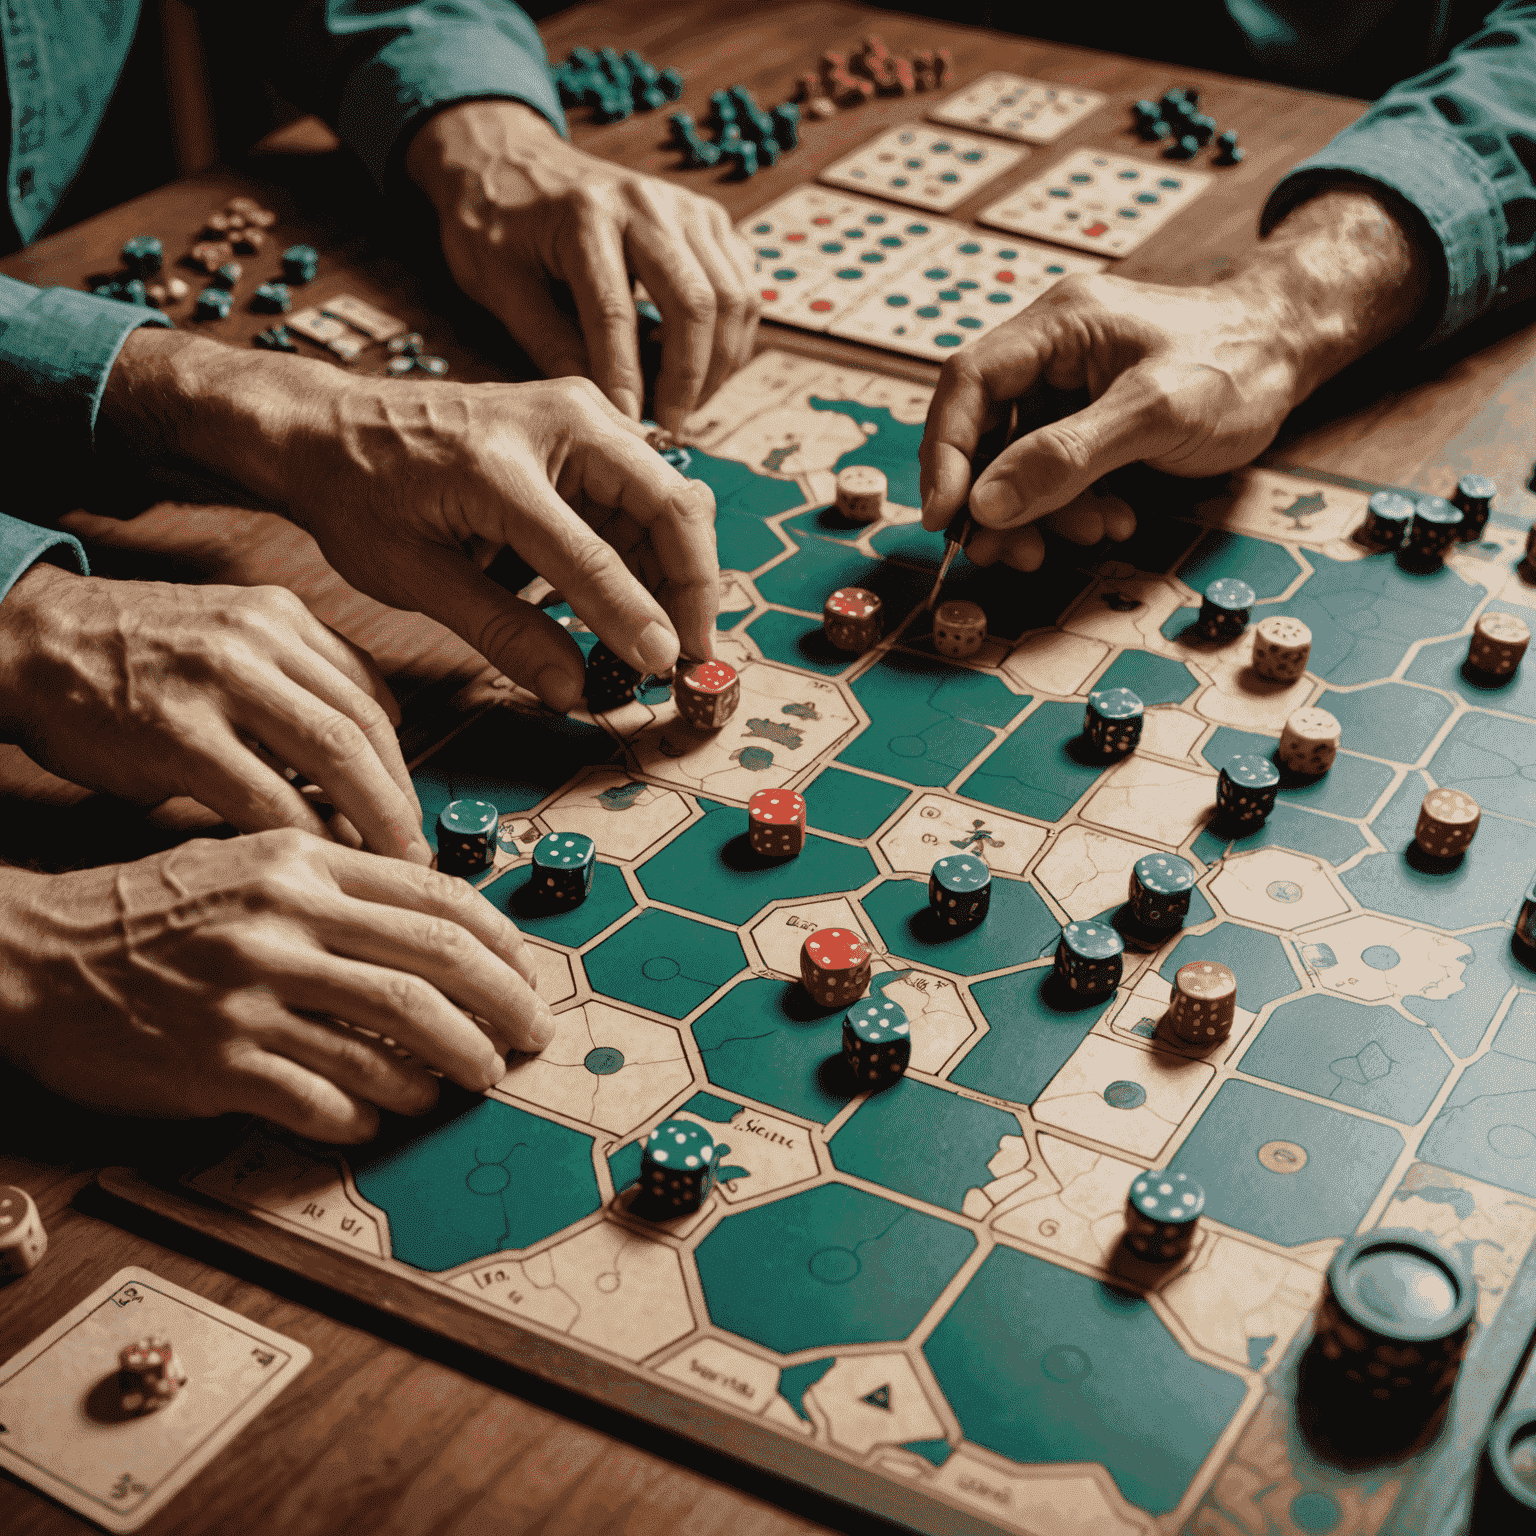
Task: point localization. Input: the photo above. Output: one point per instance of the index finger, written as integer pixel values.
(605, 303)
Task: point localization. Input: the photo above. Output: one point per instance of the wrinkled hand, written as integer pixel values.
(1190, 380)
(519, 206)
(147, 690)
(203, 981)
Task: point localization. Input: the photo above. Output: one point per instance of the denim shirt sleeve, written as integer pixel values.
(22, 545)
(57, 347)
(1458, 144)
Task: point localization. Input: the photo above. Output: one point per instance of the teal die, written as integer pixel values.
(1245, 792)
(1525, 924)
(1387, 515)
(563, 865)
(466, 837)
(1089, 959)
(1112, 721)
(1224, 609)
(1160, 887)
(1435, 527)
(143, 255)
(677, 1167)
(877, 1041)
(1162, 1215)
(960, 890)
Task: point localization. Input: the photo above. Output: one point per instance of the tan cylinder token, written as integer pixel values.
(1204, 1003)
(861, 492)
(1498, 642)
(23, 1238)
(1310, 741)
(1447, 823)
(958, 628)
(1281, 647)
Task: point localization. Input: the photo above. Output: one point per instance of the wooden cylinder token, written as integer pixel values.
(835, 966)
(23, 1238)
(959, 628)
(1499, 641)
(1447, 823)
(1310, 741)
(1204, 1003)
(861, 492)
(1281, 648)
(852, 619)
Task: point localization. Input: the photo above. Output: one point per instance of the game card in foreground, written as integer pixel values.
(927, 167)
(1013, 107)
(62, 1427)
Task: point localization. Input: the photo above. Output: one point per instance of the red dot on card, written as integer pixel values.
(794, 239)
(1005, 277)
(822, 219)
(769, 295)
(821, 306)
(1097, 229)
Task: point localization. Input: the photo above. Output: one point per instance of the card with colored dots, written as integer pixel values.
(927, 167)
(959, 290)
(1098, 202)
(1013, 107)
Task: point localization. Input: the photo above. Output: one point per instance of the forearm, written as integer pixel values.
(454, 151)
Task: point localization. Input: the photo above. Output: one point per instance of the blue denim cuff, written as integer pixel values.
(1434, 173)
(22, 545)
(420, 71)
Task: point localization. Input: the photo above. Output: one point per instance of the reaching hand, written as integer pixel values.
(205, 980)
(147, 690)
(518, 206)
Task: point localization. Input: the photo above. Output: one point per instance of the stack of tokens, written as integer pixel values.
(1309, 741)
(861, 492)
(610, 682)
(1224, 609)
(1506, 1491)
(1474, 500)
(23, 1238)
(300, 263)
(563, 866)
(959, 627)
(1435, 527)
(852, 619)
(149, 1374)
(212, 304)
(1090, 957)
(272, 299)
(1447, 823)
(835, 966)
(1245, 793)
(466, 837)
(960, 890)
(1159, 891)
(1387, 515)
(278, 339)
(877, 1042)
(1162, 1215)
(706, 693)
(1282, 647)
(776, 823)
(1395, 1319)
(1203, 1007)
(1498, 644)
(677, 1167)
(1112, 721)
(143, 255)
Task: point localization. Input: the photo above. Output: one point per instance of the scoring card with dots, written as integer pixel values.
(925, 166)
(960, 290)
(1097, 202)
(1014, 107)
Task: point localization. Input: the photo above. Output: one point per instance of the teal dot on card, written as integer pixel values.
(930, 311)
(603, 1060)
(941, 146)
(899, 181)
(949, 295)
(967, 283)
(973, 155)
(970, 247)
(949, 176)
(970, 322)
(874, 218)
(917, 229)
(891, 242)
(948, 339)
(831, 247)
(1082, 178)
(785, 275)
(897, 300)
(849, 272)
(872, 257)
(1061, 192)
(1009, 255)
(936, 274)
(999, 298)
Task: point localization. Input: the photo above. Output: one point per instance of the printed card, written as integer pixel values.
(363, 317)
(927, 167)
(1013, 107)
(1098, 202)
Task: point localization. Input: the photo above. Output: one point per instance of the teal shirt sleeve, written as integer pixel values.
(1457, 144)
(22, 545)
(57, 347)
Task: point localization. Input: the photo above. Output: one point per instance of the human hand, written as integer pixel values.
(204, 980)
(147, 690)
(518, 206)
(1193, 381)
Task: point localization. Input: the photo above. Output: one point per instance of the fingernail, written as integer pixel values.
(557, 688)
(543, 1028)
(656, 647)
(997, 504)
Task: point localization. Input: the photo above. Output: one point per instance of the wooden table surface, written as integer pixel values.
(390, 1431)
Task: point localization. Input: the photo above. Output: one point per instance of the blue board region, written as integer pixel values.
(1243, 1151)
(926, 1142)
(1258, 959)
(1072, 1370)
(1041, 770)
(664, 962)
(849, 804)
(1017, 927)
(889, 445)
(1390, 721)
(1441, 666)
(820, 566)
(1492, 760)
(826, 1267)
(1350, 788)
(1268, 568)
(484, 1178)
(1490, 971)
(606, 903)
(743, 499)
(1487, 1128)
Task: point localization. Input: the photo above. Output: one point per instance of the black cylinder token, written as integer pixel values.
(1506, 1491)
(1435, 527)
(1386, 519)
(1474, 500)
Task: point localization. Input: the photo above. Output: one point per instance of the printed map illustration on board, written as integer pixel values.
(915, 1282)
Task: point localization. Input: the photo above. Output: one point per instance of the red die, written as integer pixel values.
(707, 693)
(776, 822)
(835, 966)
(852, 619)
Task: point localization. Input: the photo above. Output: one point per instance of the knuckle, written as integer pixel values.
(405, 996)
(1067, 444)
(448, 943)
(340, 739)
(593, 561)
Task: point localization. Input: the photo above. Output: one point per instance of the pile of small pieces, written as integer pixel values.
(614, 84)
(407, 354)
(143, 257)
(843, 82)
(744, 133)
(1176, 116)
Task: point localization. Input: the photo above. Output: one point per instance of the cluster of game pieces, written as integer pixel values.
(408, 354)
(1176, 117)
(746, 137)
(842, 81)
(563, 862)
(149, 1375)
(1423, 530)
(614, 84)
(23, 1238)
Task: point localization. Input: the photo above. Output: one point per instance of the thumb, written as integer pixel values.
(1152, 411)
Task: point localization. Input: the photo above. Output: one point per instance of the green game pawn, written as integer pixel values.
(466, 838)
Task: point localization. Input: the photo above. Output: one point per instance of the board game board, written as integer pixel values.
(906, 1299)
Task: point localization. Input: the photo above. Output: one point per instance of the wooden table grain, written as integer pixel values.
(390, 1431)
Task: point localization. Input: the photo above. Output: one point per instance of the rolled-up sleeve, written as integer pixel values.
(56, 349)
(1457, 144)
(23, 544)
